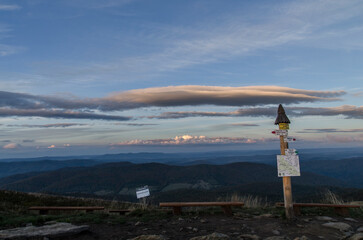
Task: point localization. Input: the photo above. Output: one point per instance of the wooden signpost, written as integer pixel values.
(283, 121)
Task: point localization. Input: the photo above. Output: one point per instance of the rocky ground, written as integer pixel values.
(212, 227)
(238, 227)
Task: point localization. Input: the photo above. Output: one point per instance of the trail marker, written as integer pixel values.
(142, 192)
(281, 132)
(283, 121)
(291, 151)
(289, 139)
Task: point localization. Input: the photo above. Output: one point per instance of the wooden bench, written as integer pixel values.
(226, 206)
(340, 209)
(120, 211)
(45, 210)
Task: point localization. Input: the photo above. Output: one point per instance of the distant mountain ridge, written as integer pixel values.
(116, 179)
(12, 168)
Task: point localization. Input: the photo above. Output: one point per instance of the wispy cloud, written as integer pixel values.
(302, 23)
(344, 139)
(6, 50)
(54, 125)
(330, 130)
(346, 110)
(12, 146)
(60, 114)
(188, 139)
(4, 7)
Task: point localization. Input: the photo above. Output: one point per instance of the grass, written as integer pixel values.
(14, 213)
(249, 201)
(331, 198)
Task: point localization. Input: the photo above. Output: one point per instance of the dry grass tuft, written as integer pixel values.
(332, 198)
(249, 201)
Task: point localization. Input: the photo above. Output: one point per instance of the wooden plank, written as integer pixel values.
(280, 204)
(44, 208)
(199, 204)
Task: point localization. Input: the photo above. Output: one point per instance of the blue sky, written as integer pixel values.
(87, 76)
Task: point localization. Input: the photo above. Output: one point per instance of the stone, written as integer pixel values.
(357, 236)
(276, 232)
(138, 223)
(267, 215)
(149, 237)
(203, 221)
(325, 218)
(195, 229)
(343, 227)
(277, 238)
(50, 223)
(213, 236)
(350, 219)
(54, 230)
(302, 238)
(249, 237)
(360, 229)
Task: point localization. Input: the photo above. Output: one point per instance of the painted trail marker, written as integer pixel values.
(281, 132)
(289, 139)
(286, 163)
(291, 151)
(142, 192)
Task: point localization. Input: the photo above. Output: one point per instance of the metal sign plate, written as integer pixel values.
(280, 132)
(142, 192)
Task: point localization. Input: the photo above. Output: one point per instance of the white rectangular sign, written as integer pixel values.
(290, 151)
(280, 132)
(142, 192)
(289, 139)
(288, 165)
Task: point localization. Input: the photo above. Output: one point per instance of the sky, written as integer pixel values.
(82, 77)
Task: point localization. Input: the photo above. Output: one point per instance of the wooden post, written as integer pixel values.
(289, 209)
(283, 122)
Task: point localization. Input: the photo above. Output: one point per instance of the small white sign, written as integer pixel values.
(280, 132)
(288, 165)
(290, 151)
(142, 192)
(289, 139)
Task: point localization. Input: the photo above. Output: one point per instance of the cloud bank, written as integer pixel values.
(22, 104)
(348, 111)
(188, 139)
(54, 125)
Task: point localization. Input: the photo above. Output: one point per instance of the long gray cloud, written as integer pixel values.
(173, 96)
(346, 110)
(53, 125)
(330, 130)
(59, 114)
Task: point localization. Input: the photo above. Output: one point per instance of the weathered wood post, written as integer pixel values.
(283, 121)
